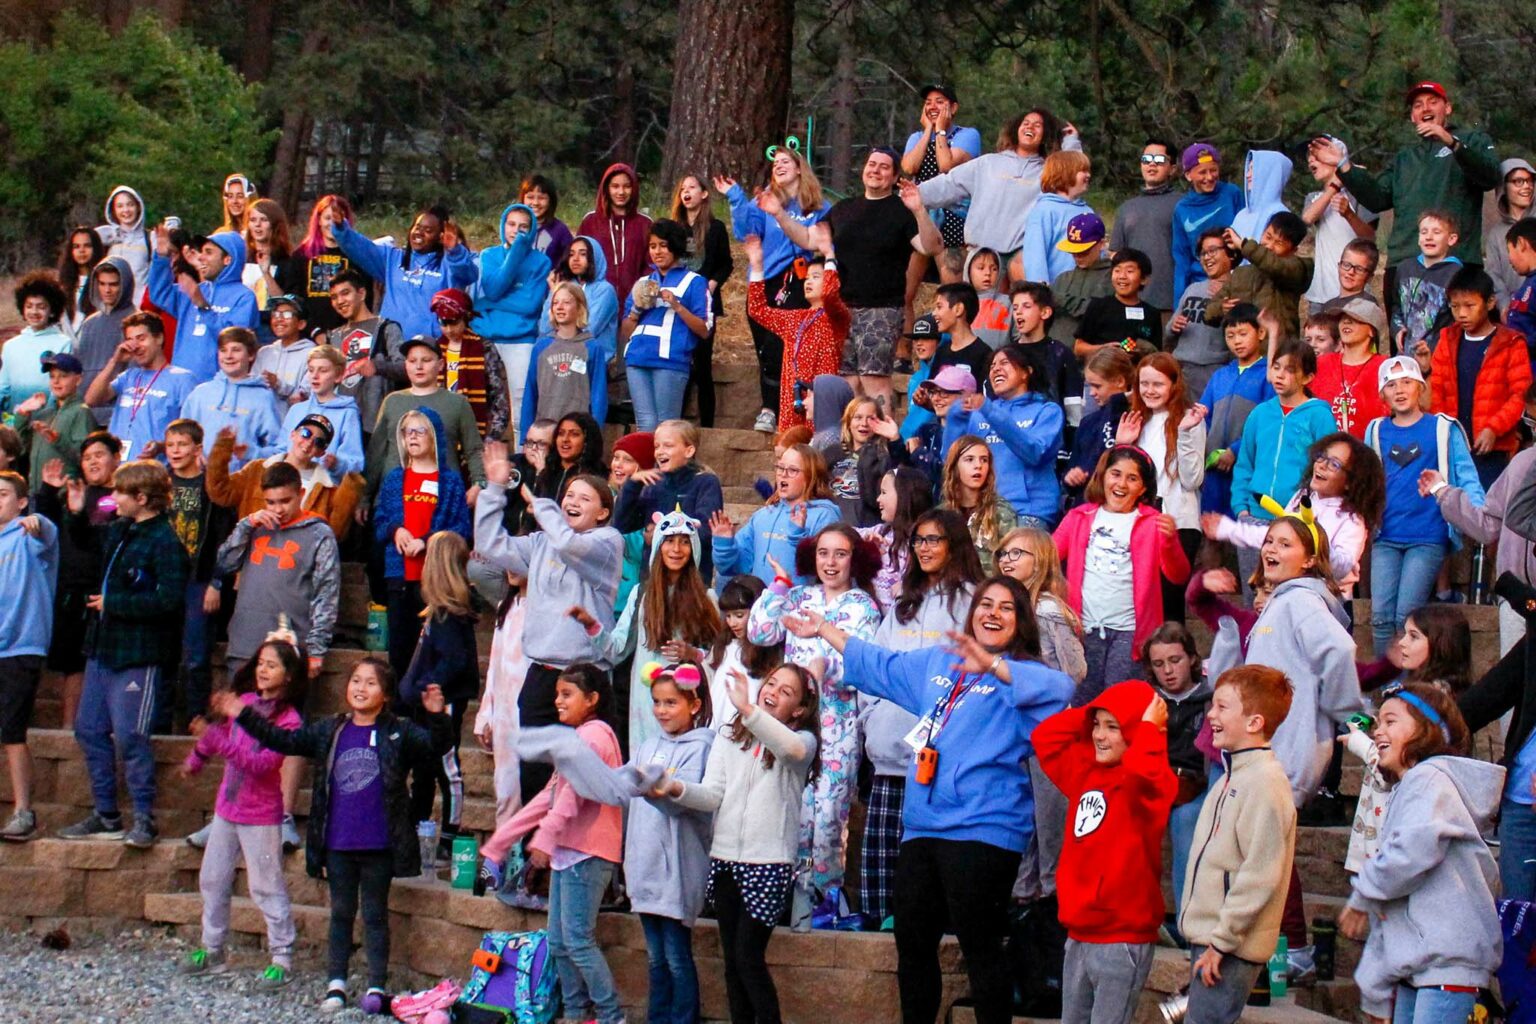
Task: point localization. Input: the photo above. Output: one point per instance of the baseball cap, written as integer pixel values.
(1366, 312)
(923, 327)
(286, 300)
(947, 91)
(198, 241)
(420, 341)
(1398, 368)
(323, 433)
(952, 378)
(62, 361)
(1199, 153)
(1434, 87)
(1084, 231)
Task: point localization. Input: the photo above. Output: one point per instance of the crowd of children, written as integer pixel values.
(980, 593)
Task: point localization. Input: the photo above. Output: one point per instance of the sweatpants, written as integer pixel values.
(1223, 1002)
(117, 708)
(262, 848)
(1102, 981)
(1037, 868)
(349, 873)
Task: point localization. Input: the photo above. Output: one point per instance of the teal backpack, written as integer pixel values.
(513, 972)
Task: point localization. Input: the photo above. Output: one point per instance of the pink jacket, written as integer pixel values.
(1153, 556)
(251, 792)
(560, 818)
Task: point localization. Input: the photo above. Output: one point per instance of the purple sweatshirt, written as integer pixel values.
(251, 792)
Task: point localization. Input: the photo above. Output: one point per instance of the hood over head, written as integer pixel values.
(1506, 168)
(599, 261)
(125, 293)
(965, 273)
(602, 187)
(1127, 701)
(502, 227)
(107, 217)
(1265, 173)
(831, 396)
(232, 243)
(438, 436)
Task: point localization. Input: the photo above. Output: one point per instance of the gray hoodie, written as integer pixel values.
(563, 568)
(129, 243)
(1304, 633)
(666, 845)
(295, 571)
(1495, 256)
(102, 331)
(1002, 188)
(885, 725)
(1430, 887)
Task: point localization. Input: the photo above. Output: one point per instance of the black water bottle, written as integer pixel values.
(1325, 937)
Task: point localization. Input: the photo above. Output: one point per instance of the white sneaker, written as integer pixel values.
(767, 422)
(199, 839)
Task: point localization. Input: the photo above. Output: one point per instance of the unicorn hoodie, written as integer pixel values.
(224, 302)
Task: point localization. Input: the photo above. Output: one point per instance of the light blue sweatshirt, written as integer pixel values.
(1273, 454)
(21, 366)
(247, 405)
(512, 286)
(1024, 435)
(1265, 173)
(770, 531)
(29, 567)
(1043, 228)
(410, 278)
(341, 410)
(226, 302)
(778, 251)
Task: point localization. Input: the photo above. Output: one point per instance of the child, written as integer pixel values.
(333, 496)
(1346, 379)
(1274, 276)
(248, 812)
(1478, 373)
(954, 307)
(459, 447)
(581, 841)
(283, 363)
(1121, 318)
(1110, 760)
(421, 496)
(1107, 378)
(53, 426)
(1243, 850)
(134, 639)
(359, 836)
(471, 365)
(1427, 895)
(586, 267)
(447, 657)
(753, 784)
(1178, 673)
(236, 399)
(569, 369)
(289, 568)
(1209, 203)
(1520, 244)
(29, 561)
(1357, 266)
(434, 257)
(1198, 342)
(800, 507)
(112, 290)
(496, 724)
(41, 302)
(1029, 555)
(1023, 431)
(1419, 310)
(344, 453)
(924, 337)
(677, 481)
(372, 361)
(542, 197)
(1408, 550)
(983, 269)
(970, 488)
(619, 227)
(1049, 241)
(1118, 548)
(1086, 281)
(125, 237)
(734, 652)
(1321, 331)
(867, 446)
(812, 337)
(1340, 220)
(663, 320)
(905, 493)
(1056, 368)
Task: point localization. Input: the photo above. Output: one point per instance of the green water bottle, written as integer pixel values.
(1279, 969)
(378, 628)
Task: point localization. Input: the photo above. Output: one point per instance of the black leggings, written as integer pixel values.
(404, 611)
(1173, 593)
(702, 376)
(744, 945)
(784, 291)
(441, 774)
(962, 887)
(370, 871)
(536, 706)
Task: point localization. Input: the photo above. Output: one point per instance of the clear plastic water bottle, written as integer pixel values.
(426, 839)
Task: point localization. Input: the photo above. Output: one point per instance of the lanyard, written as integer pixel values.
(144, 395)
(941, 718)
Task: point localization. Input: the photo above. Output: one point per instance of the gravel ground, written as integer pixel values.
(130, 976)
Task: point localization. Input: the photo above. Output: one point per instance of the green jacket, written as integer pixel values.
(1426, 175)
(68, 425)
(1072, 291)
(1271, 282)
(143, 593)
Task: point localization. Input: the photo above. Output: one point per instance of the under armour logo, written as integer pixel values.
(284, 554)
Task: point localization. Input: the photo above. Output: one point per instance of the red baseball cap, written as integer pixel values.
(1434, 87)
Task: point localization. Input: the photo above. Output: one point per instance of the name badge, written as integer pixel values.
(1135, 313)
(919, 737)
(429, 487)
(578, 366)
(199, 329)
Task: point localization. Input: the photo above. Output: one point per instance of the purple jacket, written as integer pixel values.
(251, 792)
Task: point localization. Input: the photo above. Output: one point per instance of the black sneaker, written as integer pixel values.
(94, 827)
(142, 835)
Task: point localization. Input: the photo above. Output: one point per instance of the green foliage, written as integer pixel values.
(88, 111)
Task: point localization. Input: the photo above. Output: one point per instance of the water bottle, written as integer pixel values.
(378, 628)
(1479, 589)
(1325, 937)
(426, 839)
(1175, 1007)
(1279, 969)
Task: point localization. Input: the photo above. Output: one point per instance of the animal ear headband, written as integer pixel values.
(685, 675)
(789, 143)
(1303, 515)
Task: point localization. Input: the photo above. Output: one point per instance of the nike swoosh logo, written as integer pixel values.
(1191, 226)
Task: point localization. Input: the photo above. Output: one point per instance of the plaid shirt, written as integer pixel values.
(143, 595)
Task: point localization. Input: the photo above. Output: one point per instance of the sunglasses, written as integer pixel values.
(311, 434)
(1155, 159)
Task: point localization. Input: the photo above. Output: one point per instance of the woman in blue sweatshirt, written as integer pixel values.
(969, 808)
(510, 294)
(660, 331)
(435, 259)
(1023, 430)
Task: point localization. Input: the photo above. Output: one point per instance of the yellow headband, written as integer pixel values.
(1303, 515)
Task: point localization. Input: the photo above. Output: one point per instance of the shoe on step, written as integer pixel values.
(199, 839)
(143, 834)
(291, 838)
(96, 826)
(767, 422)
(21, 827)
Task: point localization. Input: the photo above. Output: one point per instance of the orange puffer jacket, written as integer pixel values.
(1498, 396)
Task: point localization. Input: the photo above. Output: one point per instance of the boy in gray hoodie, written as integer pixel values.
(112, 289)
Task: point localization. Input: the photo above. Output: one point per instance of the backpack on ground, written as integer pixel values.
(513, 973)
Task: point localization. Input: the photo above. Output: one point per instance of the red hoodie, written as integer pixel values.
(1108, 881)
(624, 239)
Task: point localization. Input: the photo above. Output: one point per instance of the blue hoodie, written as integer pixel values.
(661, 340)
(450, 513)
(602, 304)
(1197, 213)
(770, 531)
(1024, 435)
(247, 405)
(1230, 399)
(341, 410)
(1273, 456)
(1043, 228)
(28, 566)
(981, 791)
(410, 278)
(512, 287)
(229, 304)
(778, 251)
(1265, 173)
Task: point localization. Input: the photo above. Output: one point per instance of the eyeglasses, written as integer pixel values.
(784, 470)
(1353, 268)
(1213, 252)
(1520, 182)
(415, 431)
(1012, 554)
(538, 446)
(928, 540)
(1329, 461)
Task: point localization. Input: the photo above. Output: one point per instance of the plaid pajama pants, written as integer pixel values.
(882, 842)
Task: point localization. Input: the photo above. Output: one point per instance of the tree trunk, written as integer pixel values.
(844, 90)
(730, 94)
(256, 47)
(378, 132)
(288, 162)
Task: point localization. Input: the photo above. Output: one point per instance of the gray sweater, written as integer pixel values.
(884, 724)
(666, 845)
(1507, 515)
(1002, 188)
(1145, 222)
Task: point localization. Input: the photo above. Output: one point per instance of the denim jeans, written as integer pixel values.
(1517, 850)
(1181, 836)
(674, 988)
(657, 394)
(1223, 1002)
(1402, 581)
(574, 895)
(197, 636)
(1432, 1006)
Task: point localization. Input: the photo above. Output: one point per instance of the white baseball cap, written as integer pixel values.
(1398, 368)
